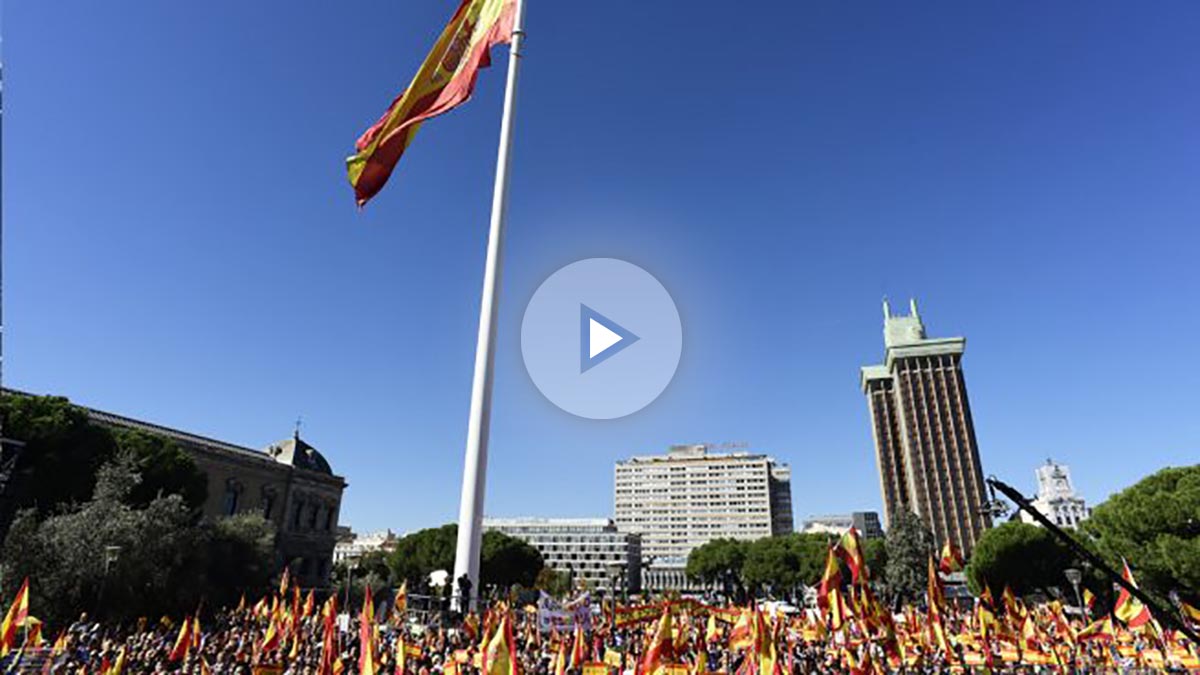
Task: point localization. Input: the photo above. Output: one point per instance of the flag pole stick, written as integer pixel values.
(470, 510)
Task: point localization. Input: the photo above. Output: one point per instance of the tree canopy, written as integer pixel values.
(1021, 556)
(504, 560)
(909, 544)
(786, 561)
(1155, 525)
(119, 560)
(709, 562)
(64, 450)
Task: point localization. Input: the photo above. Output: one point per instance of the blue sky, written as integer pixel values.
(181, 245)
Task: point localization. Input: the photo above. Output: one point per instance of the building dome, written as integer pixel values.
(296, 452)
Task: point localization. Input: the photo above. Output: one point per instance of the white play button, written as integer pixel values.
(600, 337)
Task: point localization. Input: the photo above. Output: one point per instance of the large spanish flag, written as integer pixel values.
(444, 81)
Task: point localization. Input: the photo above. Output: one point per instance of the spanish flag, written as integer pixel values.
(850, 550)
(658, 652)
(367, 660)
(500, 655)
(831, 578)
(183, 642)
(17, 613)
(952, 560)
(1129, 609)
(444, 81)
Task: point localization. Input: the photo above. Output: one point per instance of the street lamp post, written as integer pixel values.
(1075, 576)
(111, 553)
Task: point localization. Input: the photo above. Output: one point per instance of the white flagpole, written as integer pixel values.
(470, 509)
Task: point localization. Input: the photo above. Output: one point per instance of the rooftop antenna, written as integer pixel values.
(299, 422)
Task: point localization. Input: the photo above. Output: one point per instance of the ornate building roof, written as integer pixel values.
(295, 452)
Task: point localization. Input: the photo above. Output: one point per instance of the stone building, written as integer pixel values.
(290, 483)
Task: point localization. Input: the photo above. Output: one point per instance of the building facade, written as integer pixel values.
(1056, 497)
(690, 496)
(866, 522)
(289, 483)
(924, 436)
(350, 546)
(590, 550)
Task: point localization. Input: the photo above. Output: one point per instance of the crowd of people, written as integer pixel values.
(847, 629)
(668, 637)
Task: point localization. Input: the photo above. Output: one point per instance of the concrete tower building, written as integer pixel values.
(924, 436)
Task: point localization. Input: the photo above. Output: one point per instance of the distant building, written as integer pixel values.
(924, 436)
(866, 522)
(591, 550)
(1056, 497)
(350, 546)
(289, 483)
(690, 496)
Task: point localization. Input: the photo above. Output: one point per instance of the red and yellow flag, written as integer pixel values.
(444, 81)
(850, 550)
(18, 611)
(500, 655)
(1129, 609)
(183, 642)
(367, 661)
(658, 652)
(578, 647)
(952, 560)
(831, 578)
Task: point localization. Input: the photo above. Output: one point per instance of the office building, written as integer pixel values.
(590, 550)
(924, 436)
(1056, 497)
(866, 522)
(690, 496)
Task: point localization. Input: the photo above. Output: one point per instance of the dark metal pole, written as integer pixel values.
(1023, 504)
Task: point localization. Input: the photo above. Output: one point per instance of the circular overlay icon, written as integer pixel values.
(601, 338)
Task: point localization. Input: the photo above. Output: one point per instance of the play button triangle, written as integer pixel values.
(600, 338)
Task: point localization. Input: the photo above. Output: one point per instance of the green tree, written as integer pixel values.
(909, 544)
(1155, 525)
(710, 562)
(118, 561)
(504, 560)
(786, 561)
(774, 561)
(422, 552)
(557, 584)
(875, 555)
(1023, 557)
(164, 468)
(507, 561)
(62, 451)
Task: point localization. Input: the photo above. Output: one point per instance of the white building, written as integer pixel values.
(866, 522)
(1057, 499)
(350, 546)
(591, 550)
(689, 496)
